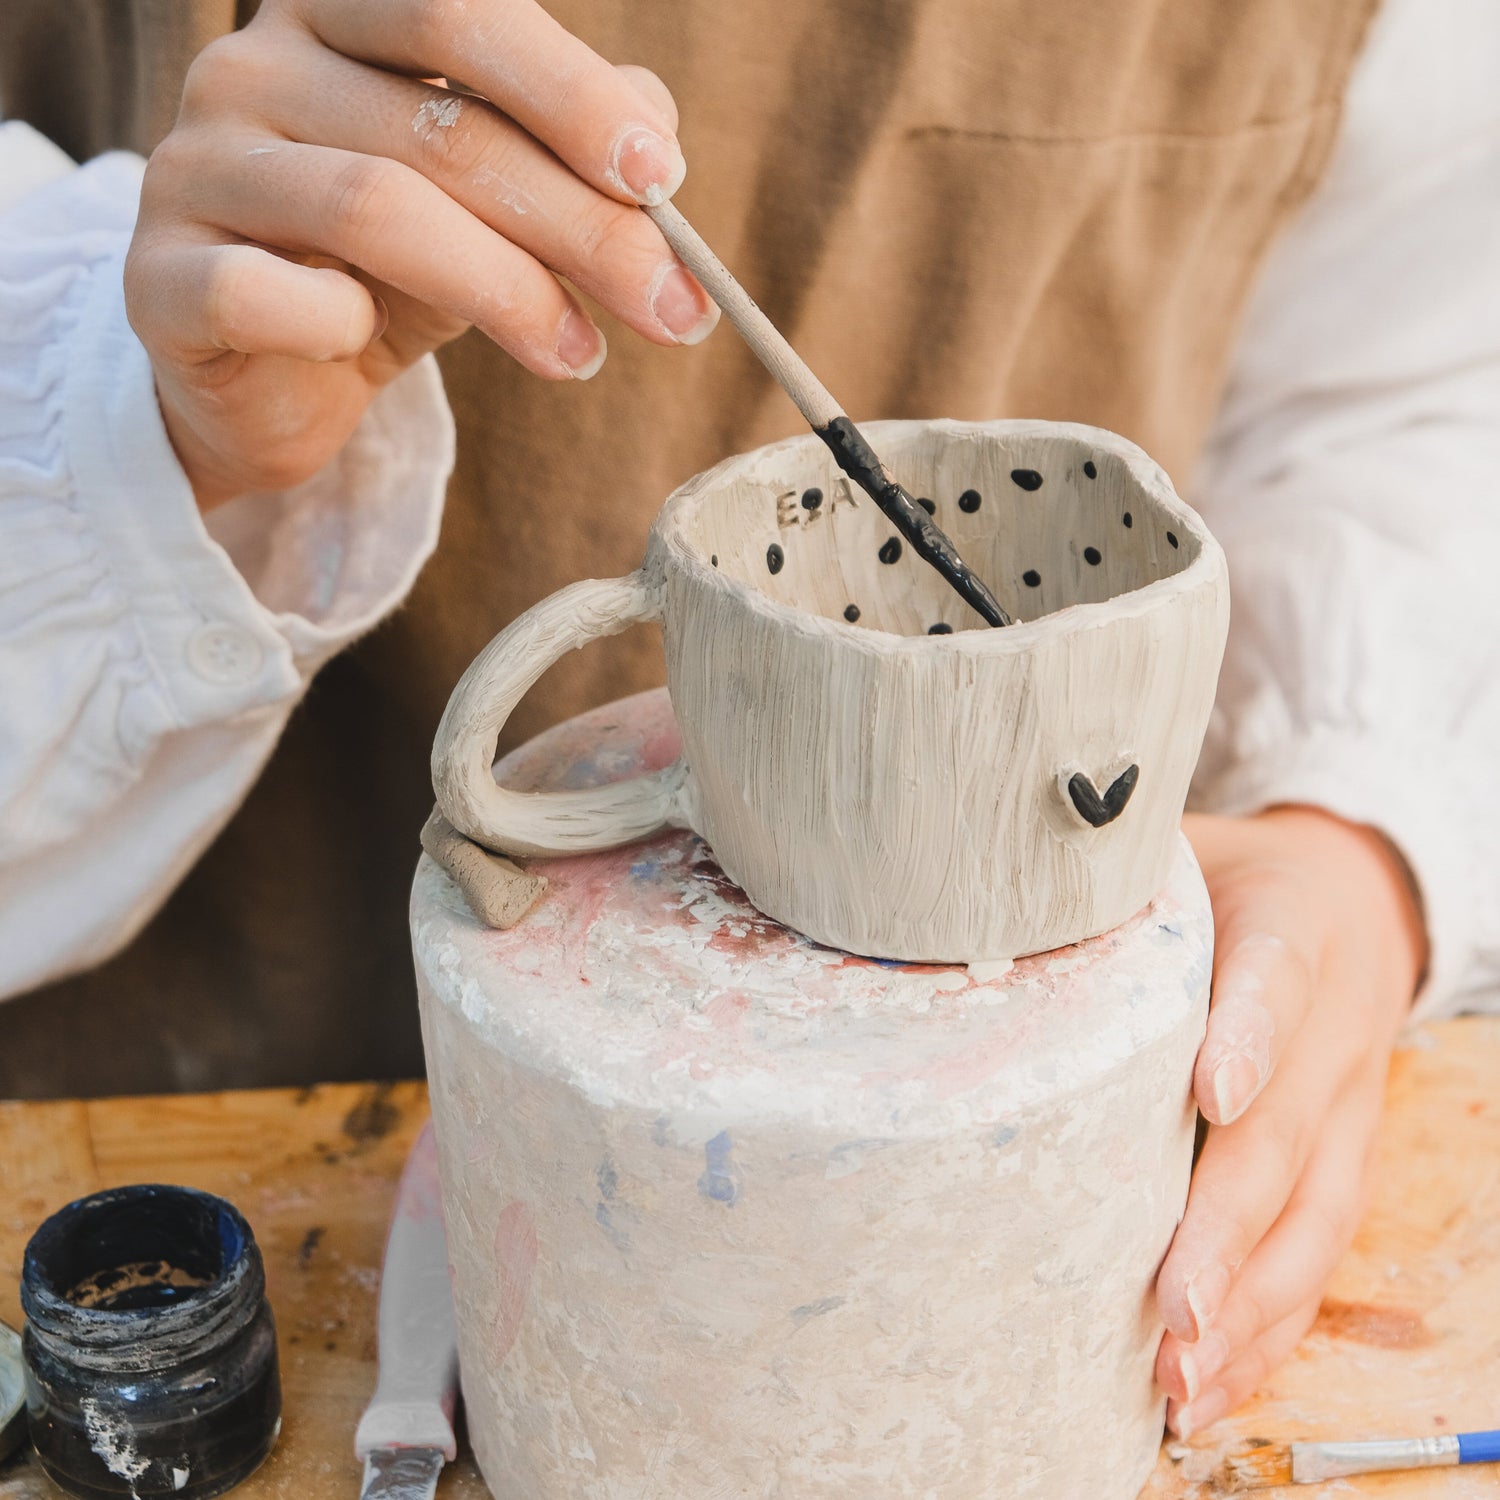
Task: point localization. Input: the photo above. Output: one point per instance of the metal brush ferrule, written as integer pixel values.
(1314, 1461)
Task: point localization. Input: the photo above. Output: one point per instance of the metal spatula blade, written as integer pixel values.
(402, 1474)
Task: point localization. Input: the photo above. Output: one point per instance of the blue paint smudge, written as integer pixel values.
(800, 1315)
(1004, 1134)
(719, 1181)
(643, 869)
(848, 1156)
(581, 774)
(605, 1220)
(609, 1186)
(1169, 927)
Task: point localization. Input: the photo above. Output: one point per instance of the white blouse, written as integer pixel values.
(1353, 478)
(149, 658)
(149, 661)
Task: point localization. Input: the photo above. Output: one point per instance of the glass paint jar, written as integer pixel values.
(150, 1347)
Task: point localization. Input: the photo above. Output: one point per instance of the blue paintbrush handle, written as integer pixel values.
(1479, 1447)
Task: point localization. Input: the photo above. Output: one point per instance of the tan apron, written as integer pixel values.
(966, 208)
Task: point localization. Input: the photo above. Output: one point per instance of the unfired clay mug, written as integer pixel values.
(871, 763)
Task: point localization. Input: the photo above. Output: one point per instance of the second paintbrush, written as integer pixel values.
(1270, 1467)
(826, 417)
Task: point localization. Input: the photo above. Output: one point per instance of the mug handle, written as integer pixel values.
(532, 823)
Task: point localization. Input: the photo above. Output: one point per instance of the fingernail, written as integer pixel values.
(1209, 1355)
(580, 346)
(680, 305)
(382, 318)
(1205, 1293)
(1236, 1082)
(1180, 1419)
(1187, 1373)
(1203, 1412)
(648, 165)
(1199, 1362)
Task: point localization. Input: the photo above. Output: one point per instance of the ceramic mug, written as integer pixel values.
(870, 762)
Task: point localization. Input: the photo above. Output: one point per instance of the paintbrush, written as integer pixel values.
(1311, 1463)
(826, 417)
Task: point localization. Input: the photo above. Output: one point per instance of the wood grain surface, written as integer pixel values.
(1408, 1341)
(314, 1171)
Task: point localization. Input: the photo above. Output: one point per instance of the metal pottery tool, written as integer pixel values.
(406, 1433)
(826, 417)
(1311, 1463)
(12, 1392)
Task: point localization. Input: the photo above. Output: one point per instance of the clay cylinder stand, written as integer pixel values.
(733, 1214)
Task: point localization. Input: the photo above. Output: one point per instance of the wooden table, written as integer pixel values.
(1408, 1342)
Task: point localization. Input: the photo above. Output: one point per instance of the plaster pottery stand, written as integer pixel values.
(732, 1213)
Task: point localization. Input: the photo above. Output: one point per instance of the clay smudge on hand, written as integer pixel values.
(1242, 1027)
(438, 112)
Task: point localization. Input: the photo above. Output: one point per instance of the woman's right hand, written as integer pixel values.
(320, 217)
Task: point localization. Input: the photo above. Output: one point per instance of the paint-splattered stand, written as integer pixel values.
(1405, 1341)
(731, 1213)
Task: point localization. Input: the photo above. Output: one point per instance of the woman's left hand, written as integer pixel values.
(1319, 945)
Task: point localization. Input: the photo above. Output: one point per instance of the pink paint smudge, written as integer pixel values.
(515, 1261)
(726, 1011)
(663, 744)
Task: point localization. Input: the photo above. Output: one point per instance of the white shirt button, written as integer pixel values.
(223, 653)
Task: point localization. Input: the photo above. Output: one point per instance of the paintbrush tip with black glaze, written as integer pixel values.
(928, 540)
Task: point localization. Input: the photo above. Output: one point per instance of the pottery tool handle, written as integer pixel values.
(413, 1402)
(825, 416)
(808, 393)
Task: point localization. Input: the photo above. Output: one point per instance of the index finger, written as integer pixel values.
(526, 64)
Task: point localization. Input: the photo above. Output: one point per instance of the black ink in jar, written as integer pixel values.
(150, 1347)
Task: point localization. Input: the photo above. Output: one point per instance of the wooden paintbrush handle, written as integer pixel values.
(757, 330)
(824, 415)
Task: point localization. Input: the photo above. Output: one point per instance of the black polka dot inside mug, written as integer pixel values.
(1049, 517)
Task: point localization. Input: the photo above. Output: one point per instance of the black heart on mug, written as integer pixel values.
(1096, 810)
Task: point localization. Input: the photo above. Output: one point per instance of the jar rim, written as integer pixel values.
(203, 1238)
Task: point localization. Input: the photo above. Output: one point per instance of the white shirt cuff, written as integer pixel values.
(325, 561)
(1396, 792)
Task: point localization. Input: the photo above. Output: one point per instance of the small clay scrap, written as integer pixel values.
(499, 893)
